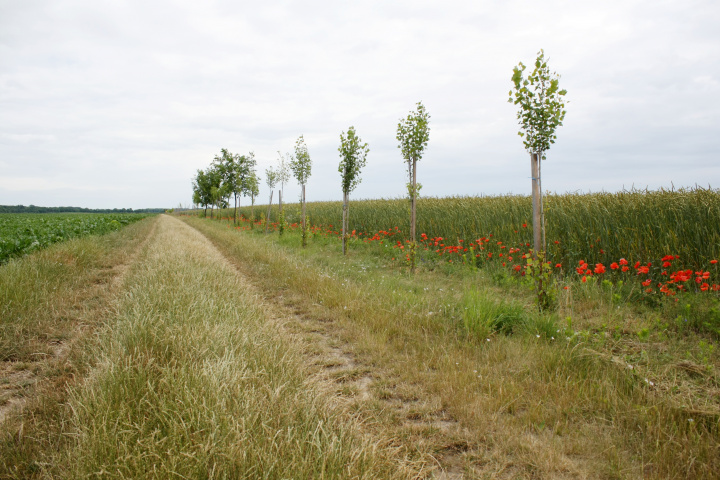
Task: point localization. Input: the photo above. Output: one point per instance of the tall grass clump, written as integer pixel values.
(193, 381)
(484, 315)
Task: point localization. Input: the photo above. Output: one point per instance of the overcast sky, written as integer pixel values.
(118, 103)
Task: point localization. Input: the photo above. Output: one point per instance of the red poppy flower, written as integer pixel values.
(713, 262)
(614, 266)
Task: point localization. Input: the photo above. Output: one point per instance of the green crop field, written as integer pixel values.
(21, 233)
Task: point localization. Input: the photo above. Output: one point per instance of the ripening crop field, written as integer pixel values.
(637, 225)
(22, 233)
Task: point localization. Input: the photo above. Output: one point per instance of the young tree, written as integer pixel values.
(542, 110)
(222, 167)
(283, 174)
(413, 134)
(270, 180)
(226, 165)
(252, 190)
(202, 189)
(243, 169)
(214, 187)
(353, 155)
(301, 166)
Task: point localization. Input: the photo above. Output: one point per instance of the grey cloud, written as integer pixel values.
(132, 98)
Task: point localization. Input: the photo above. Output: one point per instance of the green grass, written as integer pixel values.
(603, 387)
(193, 381)
(43, 295)
(51, 303)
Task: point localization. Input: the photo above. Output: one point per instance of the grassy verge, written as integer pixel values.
(50, 303)
(193, 381)
(618, 391)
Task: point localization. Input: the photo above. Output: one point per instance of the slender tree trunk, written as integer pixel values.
(536, 202)
(281, 214)
(538, 251)
(413, 203)
(252, 211)
(345, 222)
(304, 227)
(235, 214)
(267, 219)
(543, 240)
(211, 210)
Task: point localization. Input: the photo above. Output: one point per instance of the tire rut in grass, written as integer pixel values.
(363, 387)
(404, 415)
(22, 381)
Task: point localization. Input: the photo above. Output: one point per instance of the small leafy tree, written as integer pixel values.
(541, 110)
(202, 190)
(252, 190)
(270, 180)
(214, 187)
(301, 166)
(413, 134)
(283, 173)
(243, 169)
(224, 166)
(283, 176)
(353, 156)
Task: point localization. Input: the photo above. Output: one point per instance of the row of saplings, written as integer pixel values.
(541, 110)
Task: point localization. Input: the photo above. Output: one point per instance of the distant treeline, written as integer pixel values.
(34, 209)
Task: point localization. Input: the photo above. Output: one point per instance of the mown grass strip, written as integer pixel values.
(192, 381)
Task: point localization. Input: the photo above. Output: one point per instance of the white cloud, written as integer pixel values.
(147, 93)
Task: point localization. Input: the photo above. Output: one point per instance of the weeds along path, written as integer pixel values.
(50, 304)
(395, 374)
(193, 380)
(514, 406)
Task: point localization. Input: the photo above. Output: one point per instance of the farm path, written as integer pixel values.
(51, 368)
(392, 412)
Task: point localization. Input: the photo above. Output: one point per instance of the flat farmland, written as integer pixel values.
(21, 233)
(188, 347)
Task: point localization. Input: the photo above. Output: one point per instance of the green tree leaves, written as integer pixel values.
(541, 104)
(301, 165)
(353, 156)
(271, 177)
(413, 134)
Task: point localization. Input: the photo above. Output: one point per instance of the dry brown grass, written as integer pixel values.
(51, 302)
(516, 406)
